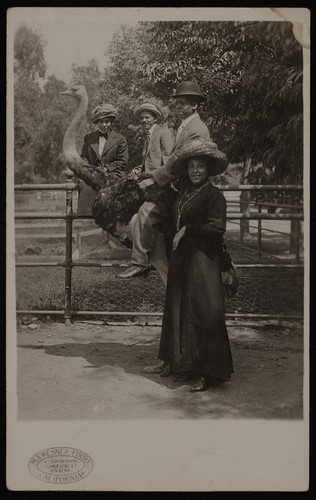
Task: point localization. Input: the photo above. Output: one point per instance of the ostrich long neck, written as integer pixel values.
(69, 142)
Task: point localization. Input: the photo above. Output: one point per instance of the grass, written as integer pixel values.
(263, 291)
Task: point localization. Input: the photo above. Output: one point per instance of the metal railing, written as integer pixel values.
(69, 187)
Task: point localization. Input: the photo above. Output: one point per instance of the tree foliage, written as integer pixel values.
(41, 115)
(126, 85)
(29, 53)
(29, 65)
(251, 74)
(55, 116)
(89, 76)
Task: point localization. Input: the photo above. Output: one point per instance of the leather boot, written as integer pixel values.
(201, 385)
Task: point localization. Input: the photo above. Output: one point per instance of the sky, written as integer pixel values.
(76, 34)
(72, 35)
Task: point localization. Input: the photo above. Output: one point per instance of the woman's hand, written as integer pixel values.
(178, 237)
(145, 175)
(146, 183)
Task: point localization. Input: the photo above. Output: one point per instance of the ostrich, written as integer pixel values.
(116, 200)
(93, 176)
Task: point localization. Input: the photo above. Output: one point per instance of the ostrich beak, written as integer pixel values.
(65, 92)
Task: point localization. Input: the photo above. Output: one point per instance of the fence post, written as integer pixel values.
(68, 259)
(244, 208)
(259, 232)
(298, 237)
(295, 228)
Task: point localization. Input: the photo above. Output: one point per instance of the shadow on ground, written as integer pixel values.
(131, 358)
(267, 383)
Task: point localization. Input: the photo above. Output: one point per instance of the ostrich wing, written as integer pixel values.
(118, 201)
(114, 206)
(94, 176)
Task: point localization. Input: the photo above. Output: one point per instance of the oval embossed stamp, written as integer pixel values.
(60, 465)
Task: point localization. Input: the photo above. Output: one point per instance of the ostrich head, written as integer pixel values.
(77, 91)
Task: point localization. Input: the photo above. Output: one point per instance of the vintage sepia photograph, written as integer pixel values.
(158, 179)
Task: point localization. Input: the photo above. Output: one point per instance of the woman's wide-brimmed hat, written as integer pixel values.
(104, 111)
(188, 88)
(215, 159)
(150, 108)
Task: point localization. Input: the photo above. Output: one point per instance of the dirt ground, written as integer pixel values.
(91, 370)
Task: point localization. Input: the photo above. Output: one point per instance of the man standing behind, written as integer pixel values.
(158, 146)
(188, 96)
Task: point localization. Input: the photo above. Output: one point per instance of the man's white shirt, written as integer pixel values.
(102, 141)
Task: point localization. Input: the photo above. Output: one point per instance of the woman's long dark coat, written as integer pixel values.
(194, 336)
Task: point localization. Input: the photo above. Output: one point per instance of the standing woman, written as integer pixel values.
(194, 341)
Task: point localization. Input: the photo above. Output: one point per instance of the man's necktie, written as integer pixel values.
(147, 141)
(145, 148)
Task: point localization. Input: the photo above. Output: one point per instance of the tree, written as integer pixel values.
(55, 117)
(29, 54)
(29, 66)
(126, 85)
(251, 74)
(41, 115)
(89, 76)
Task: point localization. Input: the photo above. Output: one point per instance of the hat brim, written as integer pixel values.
(110, 117)
(215, 159)
(157, 115)
(191, 94)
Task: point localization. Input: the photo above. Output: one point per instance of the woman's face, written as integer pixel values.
(197, 171)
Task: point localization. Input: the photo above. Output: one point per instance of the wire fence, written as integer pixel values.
(80, 288)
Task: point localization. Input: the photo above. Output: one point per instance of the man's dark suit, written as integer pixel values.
(114, 159)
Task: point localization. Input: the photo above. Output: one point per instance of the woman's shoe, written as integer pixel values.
(201, 385)
(166, 372)
(181, 377)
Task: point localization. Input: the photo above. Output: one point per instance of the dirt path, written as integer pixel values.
(93, 371)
